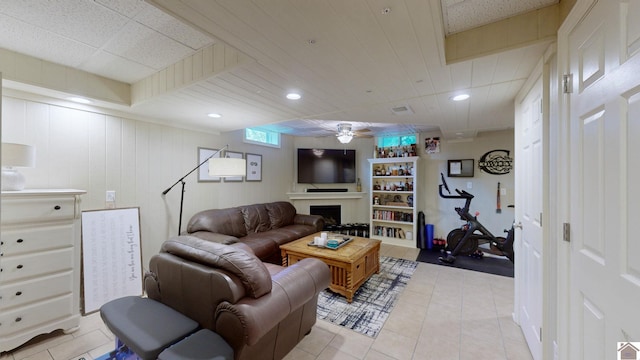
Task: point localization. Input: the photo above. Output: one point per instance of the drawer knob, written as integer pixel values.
(19, 241)
(18, 319)
(57, 207)
(19, 266)
(19, 293)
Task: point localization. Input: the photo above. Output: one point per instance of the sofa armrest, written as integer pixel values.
(215, 237)
(313, 220)
(249, 320)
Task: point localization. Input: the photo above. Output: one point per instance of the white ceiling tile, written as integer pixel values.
(20, 37)
(176, 30)
(463, 15)
(116, 67)
(145, 46)
(83, 21)
(128, 8)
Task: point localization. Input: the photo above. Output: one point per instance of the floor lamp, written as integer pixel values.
(220, 167)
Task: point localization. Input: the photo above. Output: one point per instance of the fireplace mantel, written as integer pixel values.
(325, 195)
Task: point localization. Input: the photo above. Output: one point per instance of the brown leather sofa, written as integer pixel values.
(261, 310)
(263, 227)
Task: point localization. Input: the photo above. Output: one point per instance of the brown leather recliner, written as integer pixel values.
(262, 310)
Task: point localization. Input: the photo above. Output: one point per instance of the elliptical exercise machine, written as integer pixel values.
(465, 240)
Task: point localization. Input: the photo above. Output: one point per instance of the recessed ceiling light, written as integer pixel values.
(460, 97)
(214, 115)
(80, 100)
(294, 96)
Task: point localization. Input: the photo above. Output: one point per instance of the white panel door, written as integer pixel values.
(604, 137)
(529, 175)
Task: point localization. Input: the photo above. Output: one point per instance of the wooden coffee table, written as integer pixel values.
(351, 265)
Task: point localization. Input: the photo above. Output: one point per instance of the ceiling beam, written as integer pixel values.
(521, 30)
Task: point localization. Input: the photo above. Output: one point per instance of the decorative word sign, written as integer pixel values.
(496, 162)
(111, 256)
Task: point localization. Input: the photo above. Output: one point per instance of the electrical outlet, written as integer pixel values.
(503, 191)
(469, 185)
(111, 196)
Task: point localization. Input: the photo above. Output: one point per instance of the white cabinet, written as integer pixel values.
(392, 200)
(39, 264)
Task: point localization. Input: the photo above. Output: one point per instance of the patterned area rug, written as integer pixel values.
(373, 301)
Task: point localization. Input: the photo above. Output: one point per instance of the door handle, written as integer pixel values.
(518, 225)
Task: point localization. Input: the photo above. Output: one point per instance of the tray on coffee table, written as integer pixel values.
(342, 241)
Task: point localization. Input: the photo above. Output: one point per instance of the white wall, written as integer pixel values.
(440, 212)
(94, 151)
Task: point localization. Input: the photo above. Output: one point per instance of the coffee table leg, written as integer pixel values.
(349, 297)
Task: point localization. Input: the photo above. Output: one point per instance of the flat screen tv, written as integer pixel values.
(326, 166)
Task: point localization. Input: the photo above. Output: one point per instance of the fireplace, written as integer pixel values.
(331, 214)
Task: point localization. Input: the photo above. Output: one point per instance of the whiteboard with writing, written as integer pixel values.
(111, 256)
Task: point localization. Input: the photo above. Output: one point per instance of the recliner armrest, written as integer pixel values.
(292, 288)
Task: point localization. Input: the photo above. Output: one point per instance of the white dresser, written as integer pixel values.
(39, 264)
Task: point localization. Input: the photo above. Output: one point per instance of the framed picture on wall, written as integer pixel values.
(235, 155)
(254, 167)
(203, 171)
(460, 168)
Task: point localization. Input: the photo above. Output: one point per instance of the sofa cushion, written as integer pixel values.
(264, 248)
(256, 218)
(252, 272)
(224, 221)
(281, 213)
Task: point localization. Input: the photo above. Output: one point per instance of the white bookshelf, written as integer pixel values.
(392, 204)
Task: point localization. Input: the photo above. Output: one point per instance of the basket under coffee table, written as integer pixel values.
(351, 265)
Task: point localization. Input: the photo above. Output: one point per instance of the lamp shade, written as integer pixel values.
(18, 155)
(15, 155)
(227, 167)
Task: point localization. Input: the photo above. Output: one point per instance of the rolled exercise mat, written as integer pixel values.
(429, 233)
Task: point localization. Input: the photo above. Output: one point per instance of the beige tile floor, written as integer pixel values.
(444, 313)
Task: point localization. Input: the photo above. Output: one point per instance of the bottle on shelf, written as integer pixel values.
(358, 186)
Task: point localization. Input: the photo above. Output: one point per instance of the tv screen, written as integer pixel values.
(326, 166)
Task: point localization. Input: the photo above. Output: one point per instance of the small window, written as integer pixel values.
(388, 141)
(262, 137)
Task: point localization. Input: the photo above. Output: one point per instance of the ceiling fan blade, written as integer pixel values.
(361, 131)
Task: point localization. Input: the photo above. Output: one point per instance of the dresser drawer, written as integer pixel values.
(37, 209)
(18, 267)
(20, 240)
(16, 320)
(24, 292)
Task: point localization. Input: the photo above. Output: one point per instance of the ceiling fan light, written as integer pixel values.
(344, 138)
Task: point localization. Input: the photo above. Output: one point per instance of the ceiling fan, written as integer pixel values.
(346, 133)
